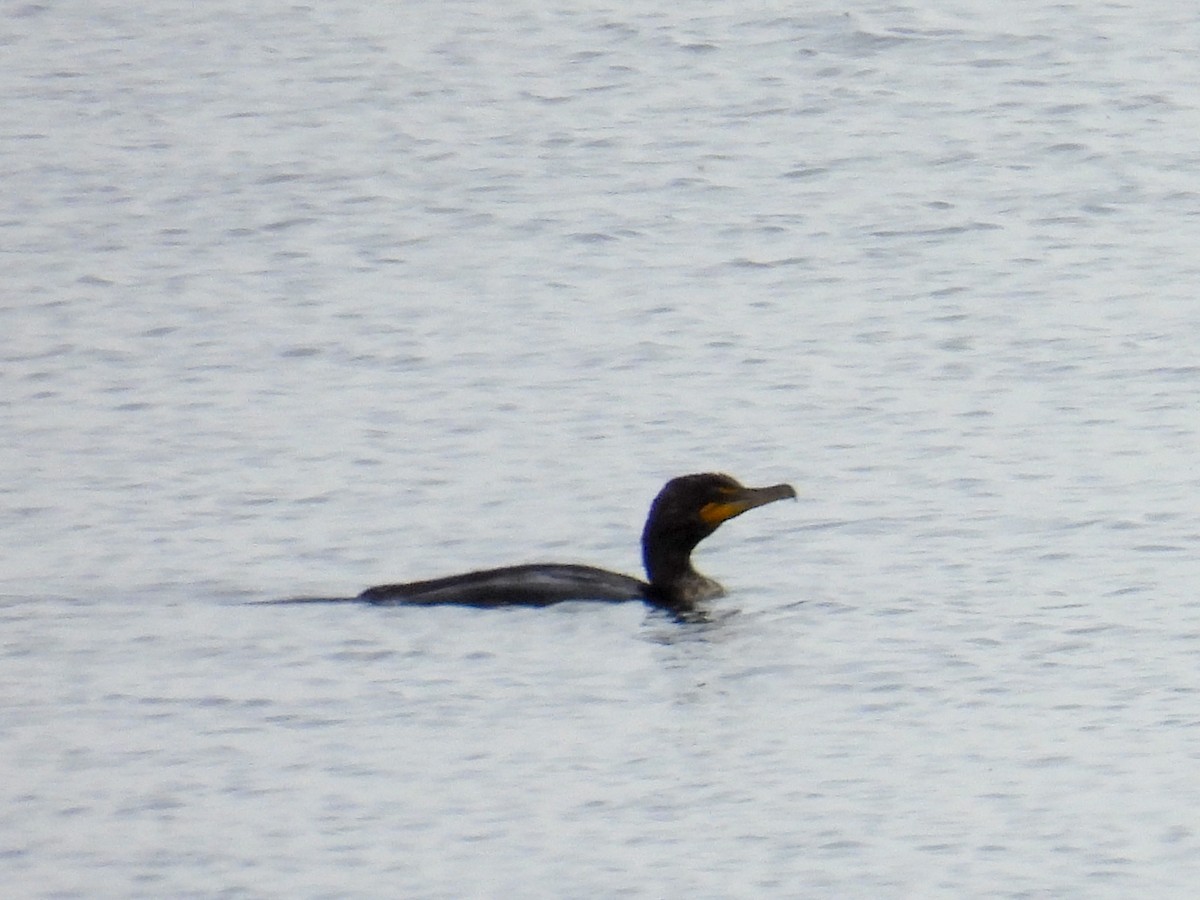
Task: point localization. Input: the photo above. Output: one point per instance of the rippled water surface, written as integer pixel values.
(297, 299)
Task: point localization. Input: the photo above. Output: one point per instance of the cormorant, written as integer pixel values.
(686, 511)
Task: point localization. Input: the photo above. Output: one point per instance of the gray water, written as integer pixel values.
(298, 299)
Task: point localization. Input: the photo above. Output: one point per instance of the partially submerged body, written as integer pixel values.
(687, 510)
(530, 585)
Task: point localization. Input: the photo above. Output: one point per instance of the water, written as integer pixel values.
(297, 300)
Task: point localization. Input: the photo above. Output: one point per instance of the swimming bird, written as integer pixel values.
(686, 511)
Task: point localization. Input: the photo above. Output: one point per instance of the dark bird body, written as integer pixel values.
(686, 511)
(537, 584)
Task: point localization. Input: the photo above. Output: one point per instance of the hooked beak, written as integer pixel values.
(744, 499)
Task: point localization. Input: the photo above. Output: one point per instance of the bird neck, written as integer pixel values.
(673, 579)
(667, 564)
